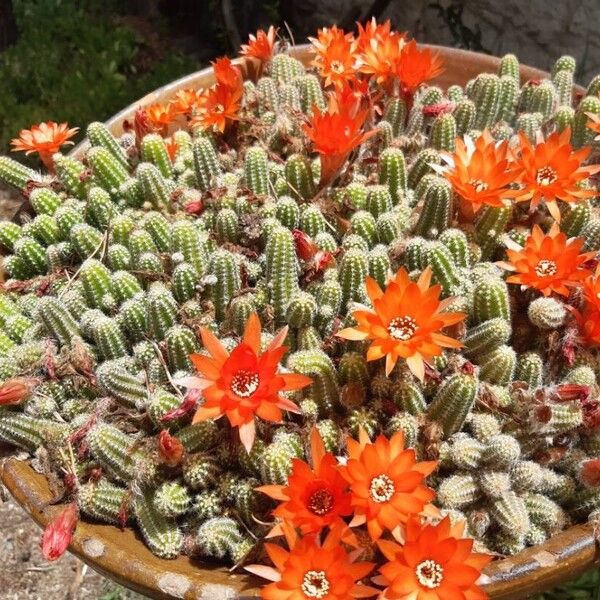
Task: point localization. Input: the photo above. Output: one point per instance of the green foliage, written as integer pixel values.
(96, 66)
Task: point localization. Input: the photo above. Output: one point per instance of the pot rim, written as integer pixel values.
(561, 558)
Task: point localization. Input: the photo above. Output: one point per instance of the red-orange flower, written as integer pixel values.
(314, 498)
(261, 45)
(386, 481)
(588, 319)
(313, 570)
(434, 563)
(45, 139)
(228, 74)
(336, 56)
(335, 132)
(405, 322)
(219, 106)
(416, 66)
(480, 172)
(185, 101)
(552, 171)
(172, 147)
(170, 448)
(244, 383)
(548, 263)
(160, 116)
(59, 533)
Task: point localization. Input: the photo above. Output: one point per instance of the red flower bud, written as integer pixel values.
(573, 391)
(141, 124)
(59, 533)
(189, 403)
(323, 260)
(305, 247)
(440, 108)
(590, 473)
(170, 448)
(194, 208)
(14, 391)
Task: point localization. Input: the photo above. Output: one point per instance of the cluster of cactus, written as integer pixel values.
(113, 273)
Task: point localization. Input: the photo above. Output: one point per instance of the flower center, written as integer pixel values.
(546, 176)
(382, 488)
(429, 574)
(321, 502)
(218, 109)
(315, 584)
(337, 67)
(546, 268)
(480, 186)
(244, 383)
(402, 328)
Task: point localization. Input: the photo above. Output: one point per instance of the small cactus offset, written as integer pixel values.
(335, 256)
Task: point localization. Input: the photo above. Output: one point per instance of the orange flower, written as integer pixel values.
(227, 74)
(312, 570)
(160, 116)
(405, 322)
(434, 563)
(548, 263)
(335, 56)
(261, 45)
(480, 172)
(172, 147)
(313, 498)
(552, 171)
(244, 383)
(386, 481)
(380, 58)
(373, 31)
(591, 289)
(185, 101)
(335, 132)
(594, 123)
(219, 105)
(45, 139)
(415, 66)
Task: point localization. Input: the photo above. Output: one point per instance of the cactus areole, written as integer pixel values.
(324, 302)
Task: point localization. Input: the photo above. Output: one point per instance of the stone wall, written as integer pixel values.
(538, 31)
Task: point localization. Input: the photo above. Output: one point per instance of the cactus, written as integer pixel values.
(490, 300)
(299, 177)
(453, 401)
(172, 500)
(353, 270)
(108, 171)
(117, 382)
(546, 313)
(15, 174)
(530, 368)
(485, 93)
(317, 365)
(510, 513)
(162, 535)
(256, 170)
(486, 337)
(443, 133)
(103, 501)
(437, 208)
(99, 135)
(206, 162)
(458, 491)
(154, 150)
(582, 135)
(499, 365)
(57, 319)
(112, 449)
(392, 172)
(282, 269)
(221, 537)
(180, 342)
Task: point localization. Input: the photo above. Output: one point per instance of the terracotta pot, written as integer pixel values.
(122, 556)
